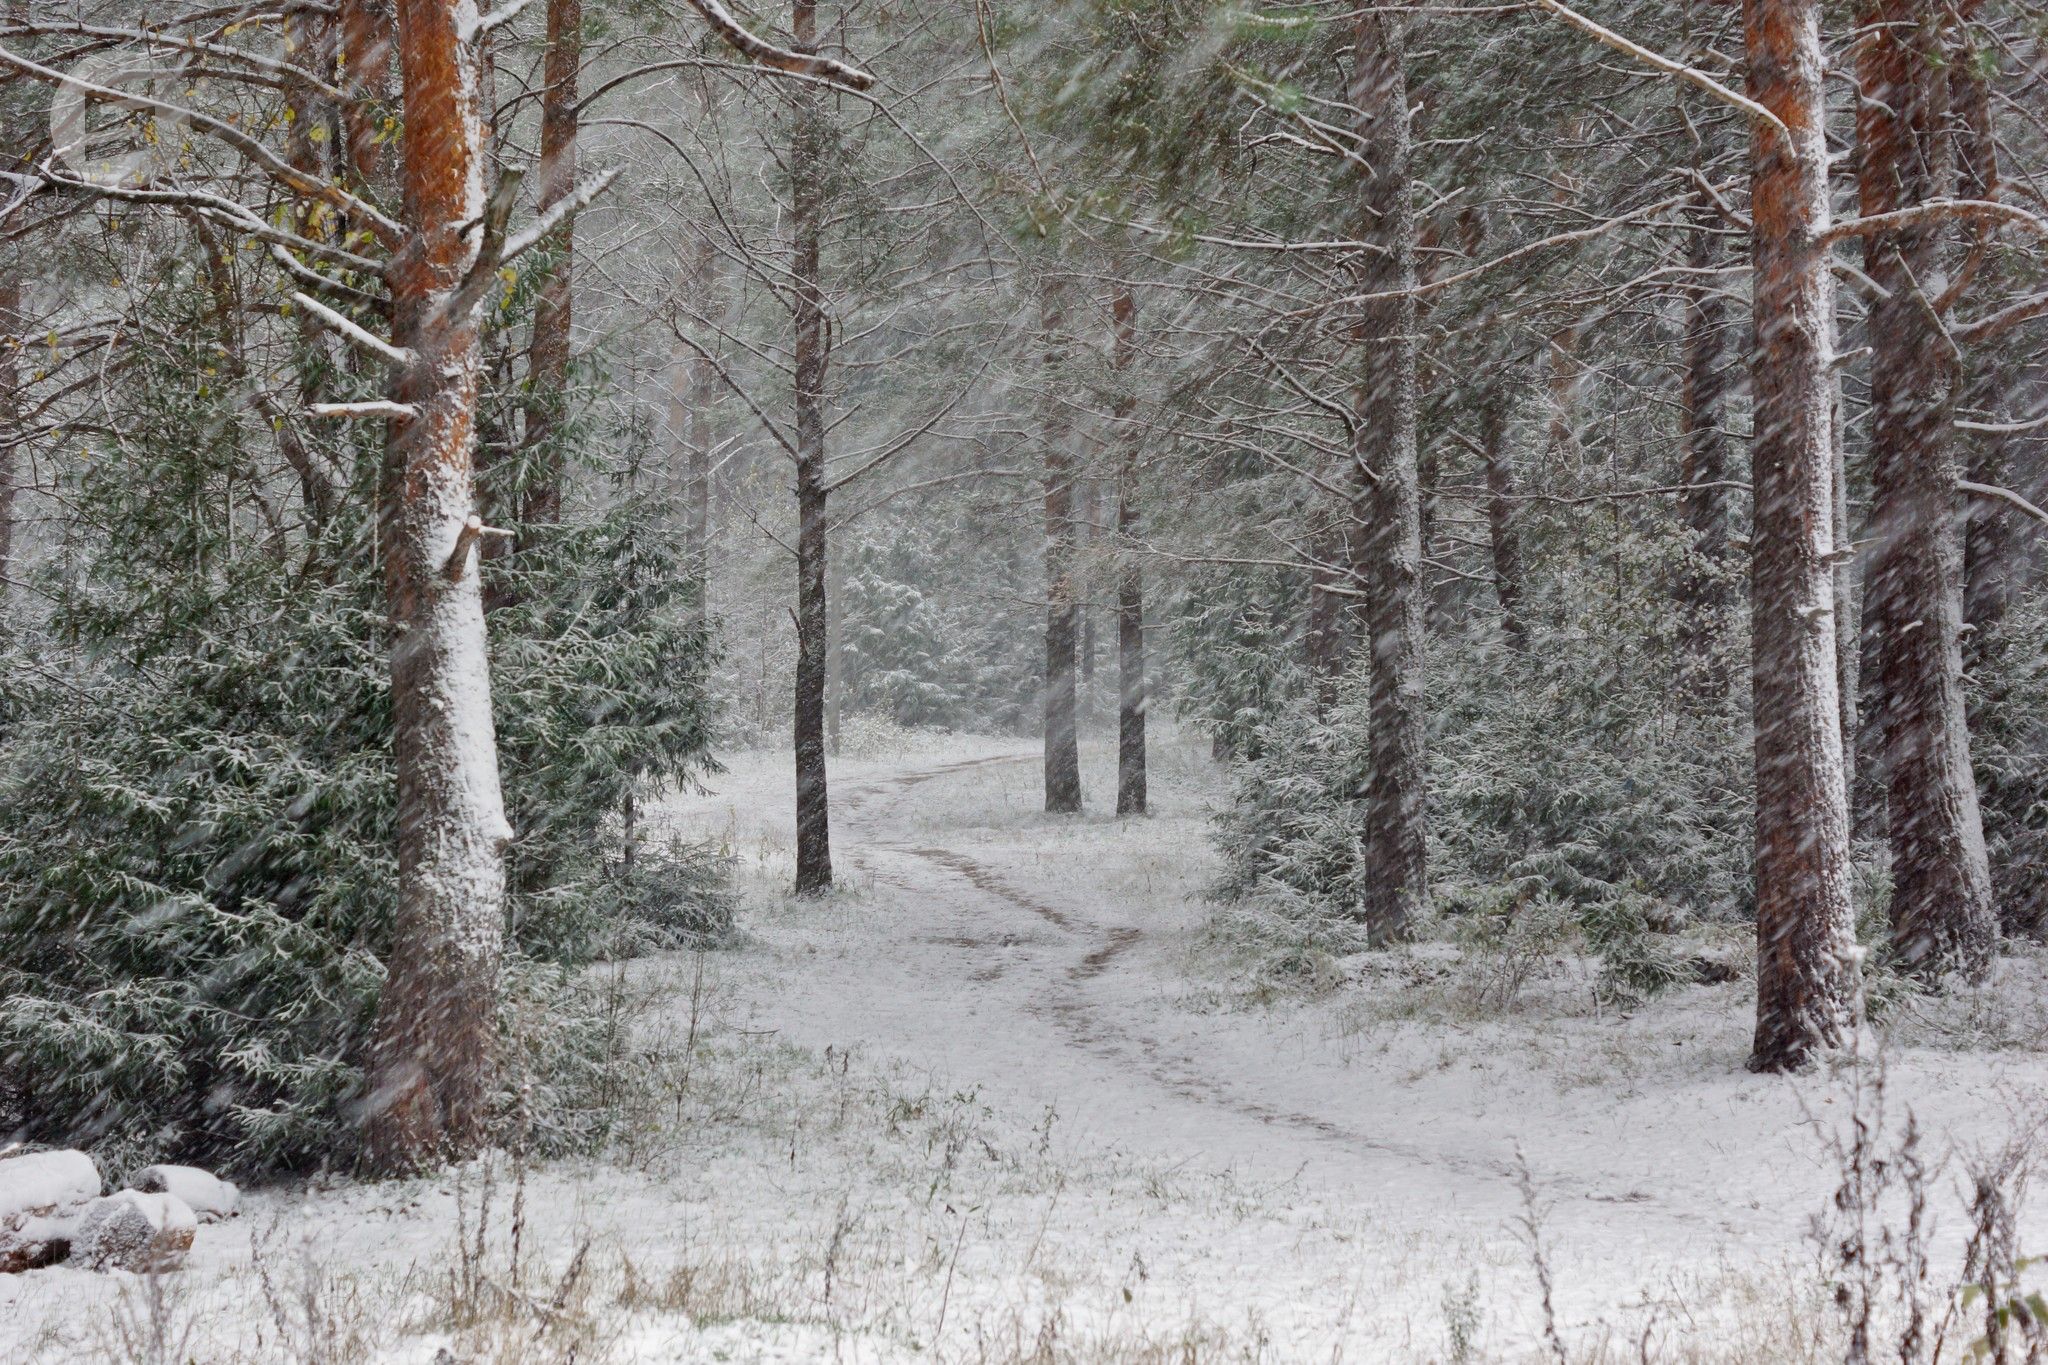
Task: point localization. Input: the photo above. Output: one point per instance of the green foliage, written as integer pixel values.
(936, 659)
(1236, 657)
(2010, 749)
(196, 797)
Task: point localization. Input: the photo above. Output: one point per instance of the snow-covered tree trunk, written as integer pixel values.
(1389, 538)
(1062, 742)
(1130, 587)
(547, 375)
(1942, 914)
(807, 216)
(434, 1053)
(1805, 922)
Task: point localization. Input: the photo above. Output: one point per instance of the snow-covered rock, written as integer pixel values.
(130, 1230)
(210, 1197)
(41, 1195)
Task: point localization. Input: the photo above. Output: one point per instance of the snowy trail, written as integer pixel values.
(992, 948)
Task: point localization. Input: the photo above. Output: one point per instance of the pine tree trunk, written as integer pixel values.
(1062, 743)
(1130, 588)
(1942, 913)
(547, 375)
(1805, 922)
(1704, 592)
(367, 29)
(1991, 546)
(1390, 539)
(807, 214)
(434, 1054)
(1504, 541)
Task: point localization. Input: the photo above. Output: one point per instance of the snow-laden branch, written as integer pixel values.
(375, 407)
(2003, 428)
(473, 530)
(562, 210)
(764, 53)
(1666, 65)
(1982, 210)
(497, 18)
(1986, 490)
(368, 340)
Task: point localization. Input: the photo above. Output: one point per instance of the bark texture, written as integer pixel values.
(434, 1051)
(1130, 586)
(1805, 922)
(813, 342)
(547, 375)
(1062, 743)
(1942, 913)
(1389, 536)
(366, 49)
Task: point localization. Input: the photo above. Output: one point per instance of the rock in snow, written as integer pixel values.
(210, 1197)
(41, 1195)
(135, 1231)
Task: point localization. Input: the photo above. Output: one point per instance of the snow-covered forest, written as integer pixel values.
(979, 681)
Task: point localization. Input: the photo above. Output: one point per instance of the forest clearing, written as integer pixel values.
(1100, 680)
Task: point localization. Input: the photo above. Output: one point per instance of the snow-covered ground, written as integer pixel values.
(1007, 1096)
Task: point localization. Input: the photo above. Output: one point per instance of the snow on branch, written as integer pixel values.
(497, 18)
(536, 232)
(369, 341)
(1983, 210)
(472, 530)
(375, 407)
(1986, 490)
(764, 53)
(1665, 64)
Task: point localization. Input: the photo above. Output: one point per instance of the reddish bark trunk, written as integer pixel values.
(1805, 922)
(434, 1055)
(547, 375)
(366, 50)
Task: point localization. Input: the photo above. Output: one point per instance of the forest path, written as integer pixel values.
(1055, 964)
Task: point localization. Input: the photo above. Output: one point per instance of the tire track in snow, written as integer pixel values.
(1082, 1019)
